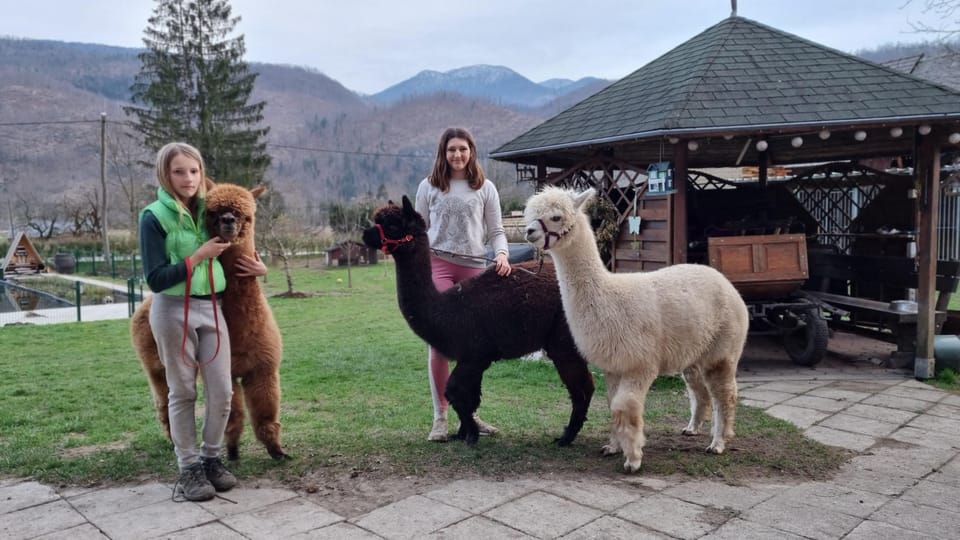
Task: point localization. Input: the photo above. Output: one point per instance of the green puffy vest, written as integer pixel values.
(184, 237)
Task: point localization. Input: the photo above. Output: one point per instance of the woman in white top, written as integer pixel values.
(462, 211)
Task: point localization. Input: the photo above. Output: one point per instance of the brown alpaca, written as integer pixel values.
(255, 341)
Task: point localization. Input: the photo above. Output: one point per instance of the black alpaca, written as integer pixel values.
(481, 320)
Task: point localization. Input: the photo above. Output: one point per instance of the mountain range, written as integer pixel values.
(499, 84)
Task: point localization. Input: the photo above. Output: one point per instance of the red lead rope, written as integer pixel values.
(186, 315)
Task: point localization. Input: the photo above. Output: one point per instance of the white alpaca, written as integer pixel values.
(685, 318)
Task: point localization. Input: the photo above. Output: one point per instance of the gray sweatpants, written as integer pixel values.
(166, 321)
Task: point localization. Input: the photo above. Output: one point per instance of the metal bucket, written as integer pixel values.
(946, 352)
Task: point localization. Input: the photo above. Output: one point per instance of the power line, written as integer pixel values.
(348, 152)
(47, 123)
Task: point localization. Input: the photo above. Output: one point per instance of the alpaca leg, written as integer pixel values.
(261, 389)
(463, 394)
(234, 423)
(161, 396)
(722, 383)
(627, 413)
(578, 380)
(699, 397)
(612, 381)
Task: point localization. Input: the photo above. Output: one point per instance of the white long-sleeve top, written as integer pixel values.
(462, 220)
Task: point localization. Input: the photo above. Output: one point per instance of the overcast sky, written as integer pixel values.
(368, 45)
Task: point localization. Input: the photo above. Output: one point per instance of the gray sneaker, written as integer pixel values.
(193, 484)
(217, 474)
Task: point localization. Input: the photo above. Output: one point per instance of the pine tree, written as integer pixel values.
(194, 87)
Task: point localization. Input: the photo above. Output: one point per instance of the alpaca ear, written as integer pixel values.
(407, 206)
(258, 191)
(580, 200)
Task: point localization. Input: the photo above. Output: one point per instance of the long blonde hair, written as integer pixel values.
(166, 155)
(440, 175)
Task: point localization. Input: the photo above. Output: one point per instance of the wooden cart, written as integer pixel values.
(768, 271)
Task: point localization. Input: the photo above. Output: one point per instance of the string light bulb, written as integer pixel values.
(954, 138)
(693, 145)
(796, 142)
(761, 146)
(824, 134)
(860, 135)
(896, 131)
(673, 140)
(924, 129)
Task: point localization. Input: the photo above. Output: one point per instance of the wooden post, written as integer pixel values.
(927, 170)
(679, 206)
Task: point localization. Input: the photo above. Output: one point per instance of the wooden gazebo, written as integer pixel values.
(744, 95)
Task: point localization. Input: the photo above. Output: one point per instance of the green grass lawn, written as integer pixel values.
(76, 407)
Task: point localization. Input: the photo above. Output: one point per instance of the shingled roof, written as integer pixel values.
(740, 77)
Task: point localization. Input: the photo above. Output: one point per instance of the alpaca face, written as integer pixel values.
(552, 213)
(231, 211)
(393, 227)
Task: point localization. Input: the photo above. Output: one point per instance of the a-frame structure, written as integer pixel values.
(22, 258)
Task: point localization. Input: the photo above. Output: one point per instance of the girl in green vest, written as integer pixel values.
(177, 255)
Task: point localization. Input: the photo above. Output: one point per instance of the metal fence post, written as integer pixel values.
(77, 287)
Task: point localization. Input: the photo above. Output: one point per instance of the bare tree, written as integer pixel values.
(39, 215)
(127, 166)
(947, 13)
(282, 235)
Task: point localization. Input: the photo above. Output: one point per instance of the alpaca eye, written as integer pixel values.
(555, 219)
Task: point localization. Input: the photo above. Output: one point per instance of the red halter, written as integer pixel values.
(385, 242)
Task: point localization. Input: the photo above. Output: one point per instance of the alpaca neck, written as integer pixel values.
(228, 259)
(417, 296)
(578, 261)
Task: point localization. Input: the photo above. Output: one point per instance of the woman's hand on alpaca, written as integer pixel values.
(210, 249)
(248, 266)
(502, 264)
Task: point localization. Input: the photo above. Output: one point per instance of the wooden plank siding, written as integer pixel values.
(651, 249)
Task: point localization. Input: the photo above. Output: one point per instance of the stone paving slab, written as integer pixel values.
(544, 515)
(739, 529)
(920, 518)
(875, 530)
(799, 517)
(282, 519)
(687, 520)
(612, 528)
(411, 518)
(842, 439)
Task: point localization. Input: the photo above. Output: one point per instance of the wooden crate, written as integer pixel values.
(761, 266)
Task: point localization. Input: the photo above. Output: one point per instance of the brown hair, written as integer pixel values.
(440, 175)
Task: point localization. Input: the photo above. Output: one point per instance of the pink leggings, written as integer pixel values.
(445, 275)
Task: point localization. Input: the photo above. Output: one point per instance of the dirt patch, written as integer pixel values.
(80, 451)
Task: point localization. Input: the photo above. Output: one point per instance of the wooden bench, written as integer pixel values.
(865, 285)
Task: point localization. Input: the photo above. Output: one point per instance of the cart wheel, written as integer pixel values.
(807, 345)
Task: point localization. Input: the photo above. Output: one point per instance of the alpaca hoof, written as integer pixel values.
(690, 432)
(280, 455)
(715, 448)
(631, 467)
(564, 440)
(609, 450)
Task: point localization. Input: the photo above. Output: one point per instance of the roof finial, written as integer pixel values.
(733, 8)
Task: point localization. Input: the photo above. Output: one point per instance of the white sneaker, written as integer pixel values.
(485, 428)
(439, 431)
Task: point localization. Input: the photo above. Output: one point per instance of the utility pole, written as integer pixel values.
(103, 184)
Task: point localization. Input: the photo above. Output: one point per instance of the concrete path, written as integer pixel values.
(115, 310)
(903, 484)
